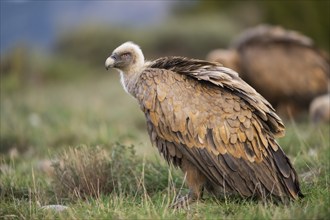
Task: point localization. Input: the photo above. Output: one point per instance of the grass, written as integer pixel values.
(65, 122)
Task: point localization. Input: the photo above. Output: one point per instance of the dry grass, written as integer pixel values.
(85, 172)
(92, 172)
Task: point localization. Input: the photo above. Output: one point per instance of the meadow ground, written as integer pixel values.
(86, 129)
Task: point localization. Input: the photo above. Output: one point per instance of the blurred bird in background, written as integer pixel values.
(282, 65)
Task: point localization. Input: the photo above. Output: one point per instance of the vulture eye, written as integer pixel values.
(125, 56)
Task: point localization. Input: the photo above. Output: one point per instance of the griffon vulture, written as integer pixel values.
(282, 65)
(206, 120)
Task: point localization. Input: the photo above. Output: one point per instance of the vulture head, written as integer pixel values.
(127, 58)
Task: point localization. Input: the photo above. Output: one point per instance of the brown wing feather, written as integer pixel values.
(214, 73)
(222, 127)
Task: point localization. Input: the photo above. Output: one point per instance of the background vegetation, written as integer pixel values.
(71, 136)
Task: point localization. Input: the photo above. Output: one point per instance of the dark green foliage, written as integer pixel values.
(177, 36)
(307, 16)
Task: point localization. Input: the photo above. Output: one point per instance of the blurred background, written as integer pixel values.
(54, 88)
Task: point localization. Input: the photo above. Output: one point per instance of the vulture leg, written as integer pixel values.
(195, 181)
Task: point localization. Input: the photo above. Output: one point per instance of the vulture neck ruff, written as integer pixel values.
(130, 74)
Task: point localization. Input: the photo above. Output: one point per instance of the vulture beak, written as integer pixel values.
(111, 61)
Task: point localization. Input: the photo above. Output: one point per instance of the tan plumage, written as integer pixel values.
(206, 120)
(283, 65)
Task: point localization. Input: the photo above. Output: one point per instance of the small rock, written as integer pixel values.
(57, 208)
